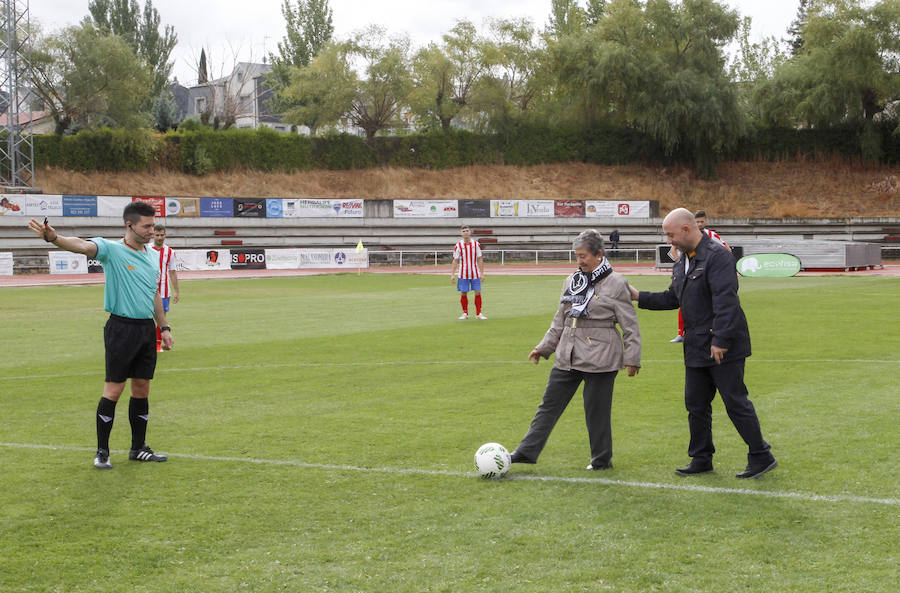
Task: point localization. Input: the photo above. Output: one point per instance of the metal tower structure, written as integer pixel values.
(16, 146)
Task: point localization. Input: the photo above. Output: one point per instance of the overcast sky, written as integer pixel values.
(252, 28)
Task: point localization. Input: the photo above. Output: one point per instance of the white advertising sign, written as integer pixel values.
(543, 208)
(282, 259)
(204, 259)
(504, 208)
(6, 264)
(43, 205)
(616, 208)
(426, 209)
(12, 204)
(63, 262)
(112, 206)
(310, 208)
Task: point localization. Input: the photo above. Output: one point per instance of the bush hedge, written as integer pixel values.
(201, 150)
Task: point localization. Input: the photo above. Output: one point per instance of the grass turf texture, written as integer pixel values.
(307, 375)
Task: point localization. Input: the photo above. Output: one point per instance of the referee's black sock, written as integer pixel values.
(106, 412)
(138, 415)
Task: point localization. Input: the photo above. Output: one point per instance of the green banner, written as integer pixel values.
(768, 265)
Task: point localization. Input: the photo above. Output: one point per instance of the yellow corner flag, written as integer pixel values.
(359, 249)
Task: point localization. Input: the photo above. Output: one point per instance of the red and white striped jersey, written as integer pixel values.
(468, 254)
(715, 237)
(167, 260)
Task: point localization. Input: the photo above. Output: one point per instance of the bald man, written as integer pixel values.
(716, 343)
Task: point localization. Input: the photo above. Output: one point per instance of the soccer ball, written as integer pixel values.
(492, 460)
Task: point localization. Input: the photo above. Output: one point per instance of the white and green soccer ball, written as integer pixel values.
(492, 460)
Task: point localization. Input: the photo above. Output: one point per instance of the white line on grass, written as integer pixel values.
(275, 365)
(837, 498)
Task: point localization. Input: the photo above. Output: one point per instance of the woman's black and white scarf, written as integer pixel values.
(581, 288)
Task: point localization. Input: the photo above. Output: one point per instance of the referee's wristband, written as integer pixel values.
(165, 328)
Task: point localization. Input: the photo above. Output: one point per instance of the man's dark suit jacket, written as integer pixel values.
(707, 295)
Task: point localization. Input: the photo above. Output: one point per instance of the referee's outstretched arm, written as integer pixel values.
(73, 244)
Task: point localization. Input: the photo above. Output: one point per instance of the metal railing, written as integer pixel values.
(503, 257)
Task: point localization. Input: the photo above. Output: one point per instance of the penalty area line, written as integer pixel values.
(803, 496)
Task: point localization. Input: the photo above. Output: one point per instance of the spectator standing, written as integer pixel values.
(700, 217)
(468, 271)
(716, 344)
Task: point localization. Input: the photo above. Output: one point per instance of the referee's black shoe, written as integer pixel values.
(145, 453)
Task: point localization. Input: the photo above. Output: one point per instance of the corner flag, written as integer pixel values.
(359, 246)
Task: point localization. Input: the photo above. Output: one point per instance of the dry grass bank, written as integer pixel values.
(795, 189)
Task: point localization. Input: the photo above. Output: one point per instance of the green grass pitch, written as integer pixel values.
(321, 433)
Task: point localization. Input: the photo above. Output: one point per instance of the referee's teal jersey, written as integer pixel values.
(131, 278)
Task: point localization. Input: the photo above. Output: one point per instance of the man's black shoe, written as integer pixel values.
(694, 468)
(755, 471)
(516, 457)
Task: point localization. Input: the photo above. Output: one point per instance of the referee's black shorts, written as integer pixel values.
(130, 348)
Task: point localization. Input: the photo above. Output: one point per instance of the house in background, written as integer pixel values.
(32, 122)
(238, 98)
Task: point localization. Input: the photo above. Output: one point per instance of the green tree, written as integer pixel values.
(202, 68)
(322, 92)
(448, 77)
(86, 78)
(847, 71)
(753, 65)
(387, 83)
(795, 31)
(308, 27)
(595, 11)
(140, 29)
(432, 96)
(517, 63)
(164, 112)
(566, 18)
(658, 66)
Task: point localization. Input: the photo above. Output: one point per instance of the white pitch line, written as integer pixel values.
(238, 367)
(835, 498)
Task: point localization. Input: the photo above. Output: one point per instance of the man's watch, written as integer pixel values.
(165, 328)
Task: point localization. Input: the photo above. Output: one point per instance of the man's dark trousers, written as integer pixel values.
(700, 385)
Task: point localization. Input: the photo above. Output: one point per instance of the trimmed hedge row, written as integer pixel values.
(204, 151)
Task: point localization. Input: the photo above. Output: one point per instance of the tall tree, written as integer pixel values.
(795, 31)
(660, 67)
(323, 91)
(566, 18)
(308, 27)
(140, 29)
(202, 68)
(847, 72)
(387, 83)
(86, 78)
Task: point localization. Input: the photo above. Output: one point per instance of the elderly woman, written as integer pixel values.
(588, 349)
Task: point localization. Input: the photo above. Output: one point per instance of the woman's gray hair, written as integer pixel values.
(590, 239)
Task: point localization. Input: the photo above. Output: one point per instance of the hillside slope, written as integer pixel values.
(795, 189)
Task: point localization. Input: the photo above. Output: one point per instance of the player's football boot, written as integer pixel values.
(101, 461)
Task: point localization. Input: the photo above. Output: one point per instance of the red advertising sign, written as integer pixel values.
(158, 203)
(568, 208)
(624, 209)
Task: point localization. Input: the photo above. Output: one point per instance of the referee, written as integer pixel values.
(131, 270)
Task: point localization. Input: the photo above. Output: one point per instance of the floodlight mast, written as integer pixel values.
(17, 145)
